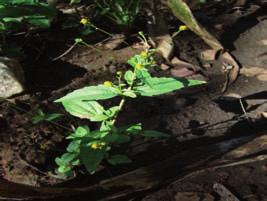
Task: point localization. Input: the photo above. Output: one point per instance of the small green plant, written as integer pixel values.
(91, 147)
(120, 11)
(17, 14)
(41, 116)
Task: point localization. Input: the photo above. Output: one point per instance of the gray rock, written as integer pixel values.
(11, 77)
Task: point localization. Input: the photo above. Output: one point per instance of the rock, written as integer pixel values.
(11, 77)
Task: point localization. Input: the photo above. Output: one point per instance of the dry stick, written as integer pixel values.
(66, 52)
(73, 46)
(243, 108)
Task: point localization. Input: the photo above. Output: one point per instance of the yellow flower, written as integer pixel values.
(97, 145)
(139, 66)
(94, 146)
(183, 28)
(84, 21)
(108, 84)
(144, 54)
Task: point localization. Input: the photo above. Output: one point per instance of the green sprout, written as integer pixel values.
(120, 11)
(90, 147)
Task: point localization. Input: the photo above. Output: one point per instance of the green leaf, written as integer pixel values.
(74, 146)
(111, 112)
(65, 159)
(114, 138)
(143, 75)
(134, 129)
(75, 1)
(119, 159)
(80, 132)
(53, 116)
(41, 116)
(90, 93)
(85, 109)
(97, 134)
(129, 93)
(129, 77)
(64, 169)
(91, 158)
(136, 59)
(111, 138)
(164, 85)
(155, 134)
(123, 139)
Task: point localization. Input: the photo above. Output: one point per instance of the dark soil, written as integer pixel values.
(193, 117)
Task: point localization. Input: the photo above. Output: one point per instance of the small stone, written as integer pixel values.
(11, 77)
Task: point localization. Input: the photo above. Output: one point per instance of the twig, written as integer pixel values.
(66, 52)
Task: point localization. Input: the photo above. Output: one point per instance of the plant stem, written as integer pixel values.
(122, 102)
(102, 30)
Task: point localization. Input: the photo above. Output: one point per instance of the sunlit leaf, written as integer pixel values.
(90, 93)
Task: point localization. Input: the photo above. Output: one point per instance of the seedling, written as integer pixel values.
(120, 11)
(91, 147)
(41, 116)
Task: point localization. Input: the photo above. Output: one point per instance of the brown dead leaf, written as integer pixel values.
(184, 72)
(208, 55)
(232, 68)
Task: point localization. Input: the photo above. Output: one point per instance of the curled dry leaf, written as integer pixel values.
(231, 67)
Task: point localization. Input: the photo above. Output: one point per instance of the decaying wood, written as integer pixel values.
(149, 177)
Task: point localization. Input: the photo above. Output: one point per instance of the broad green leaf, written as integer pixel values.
(85, 109)
(116, 138)
(155, 134)
(119, 159)
(164, 85)
(90, 93)
(111, 138)
(91, 159)
(39, 22)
